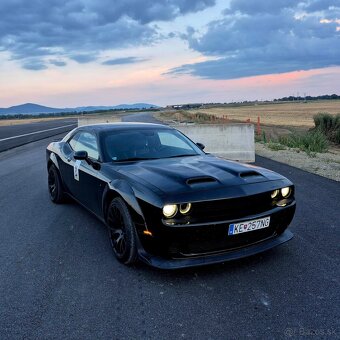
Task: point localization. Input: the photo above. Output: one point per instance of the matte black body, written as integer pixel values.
(221, 192)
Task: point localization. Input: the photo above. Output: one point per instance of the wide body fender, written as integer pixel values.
(121, 188)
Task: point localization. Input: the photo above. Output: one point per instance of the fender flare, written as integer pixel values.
(54, 160)
(122, 188)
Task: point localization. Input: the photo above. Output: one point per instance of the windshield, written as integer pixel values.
(141, 144)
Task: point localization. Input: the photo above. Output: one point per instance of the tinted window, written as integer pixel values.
(85, 141)
(169, 139)
(146, 144)
(73, 141)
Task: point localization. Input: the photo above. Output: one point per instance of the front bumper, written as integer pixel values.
(162, 263)
(196, 245)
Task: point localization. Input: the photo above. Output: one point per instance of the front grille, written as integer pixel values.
(200, 240)
(215, 239)
(227, 209)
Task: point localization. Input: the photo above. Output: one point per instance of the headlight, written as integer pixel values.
(170, 210)
(184, 208)
(285, 192)
(275, 193)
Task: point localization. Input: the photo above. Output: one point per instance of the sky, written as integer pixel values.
(66, 53)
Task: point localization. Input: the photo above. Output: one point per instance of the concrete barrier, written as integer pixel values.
(231, 141)
(97, 120)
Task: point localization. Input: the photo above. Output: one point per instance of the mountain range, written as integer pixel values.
(31, 108)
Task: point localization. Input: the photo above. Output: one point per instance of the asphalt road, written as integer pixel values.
(59, 278)
(144, 117)
(16, 135)
(20, 134)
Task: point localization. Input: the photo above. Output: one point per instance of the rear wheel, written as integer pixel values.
(55, 186)
(122, 232)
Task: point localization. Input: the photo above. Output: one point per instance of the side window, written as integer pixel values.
(85, 141)
(169, 139)
(73, 141)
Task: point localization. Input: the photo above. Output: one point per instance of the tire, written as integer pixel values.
(55, 187)
(122, 232)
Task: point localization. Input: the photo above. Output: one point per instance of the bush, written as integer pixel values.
(198, 117)
(337, 136)
(275, 146)
(312, 141)
(329, 125)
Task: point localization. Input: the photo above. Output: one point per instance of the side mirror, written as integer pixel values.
(83, 156)
(80, 155)
(201, 146)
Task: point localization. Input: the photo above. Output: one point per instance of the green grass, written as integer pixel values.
(311, 142)
(275, 146)
(329, 125)
(258, 138)
(327, 128)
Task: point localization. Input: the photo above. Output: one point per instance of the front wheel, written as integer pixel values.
(55, 187)
(122, 232)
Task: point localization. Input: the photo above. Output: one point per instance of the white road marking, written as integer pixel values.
(33, 133)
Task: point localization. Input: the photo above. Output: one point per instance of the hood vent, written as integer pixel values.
(200, 180)
(248, 174)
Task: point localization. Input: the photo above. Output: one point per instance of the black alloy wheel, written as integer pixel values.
(122, 232)
(55, 187)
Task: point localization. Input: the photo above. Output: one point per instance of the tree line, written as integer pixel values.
(300, 98)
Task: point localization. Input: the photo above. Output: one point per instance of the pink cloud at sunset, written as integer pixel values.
(181, 51)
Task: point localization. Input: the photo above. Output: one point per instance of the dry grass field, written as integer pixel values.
(7, 122)
(276, 119)
(298, 114)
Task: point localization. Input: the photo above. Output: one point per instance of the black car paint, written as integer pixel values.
(146, 186)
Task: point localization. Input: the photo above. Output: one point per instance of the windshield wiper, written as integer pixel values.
(134, 159)
(190, 154)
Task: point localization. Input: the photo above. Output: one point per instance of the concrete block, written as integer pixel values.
(97, 120)
(232, 141)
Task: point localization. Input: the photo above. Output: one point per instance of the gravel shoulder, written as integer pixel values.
(323, 164)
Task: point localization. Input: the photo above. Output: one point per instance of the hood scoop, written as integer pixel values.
(248, 174)
(200, 180)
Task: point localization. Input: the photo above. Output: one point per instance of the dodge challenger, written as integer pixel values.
(164, 200)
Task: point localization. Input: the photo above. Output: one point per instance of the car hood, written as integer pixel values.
(196, 173)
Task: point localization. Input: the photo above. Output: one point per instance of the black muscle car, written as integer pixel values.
(164, 200)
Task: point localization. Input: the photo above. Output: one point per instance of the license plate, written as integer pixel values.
(244, 227)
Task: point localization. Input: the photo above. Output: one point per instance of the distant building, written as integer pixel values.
(186, 106)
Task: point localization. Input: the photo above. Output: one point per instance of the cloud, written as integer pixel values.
(261, 37)
(122, 61)
(57, 62)
(34, 65)
(320, 5)
(83, 58)
(74, 28)
(254, 7)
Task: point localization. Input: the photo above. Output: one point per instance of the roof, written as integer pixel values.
(122, 126)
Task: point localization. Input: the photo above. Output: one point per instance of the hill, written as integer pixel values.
(31, 108)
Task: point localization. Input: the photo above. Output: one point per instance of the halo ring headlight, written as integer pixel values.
(170, 210)
(275, 193)
(184, 208)
(285, 192)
